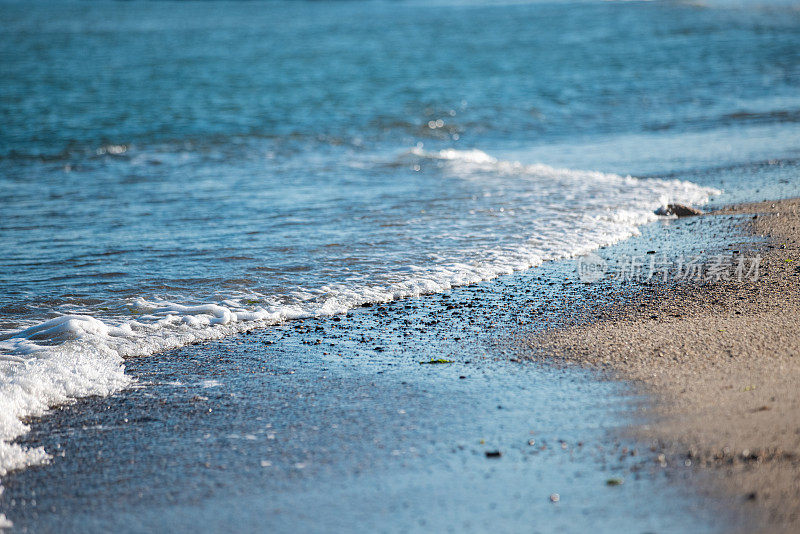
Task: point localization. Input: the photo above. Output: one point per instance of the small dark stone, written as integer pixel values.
(493, 454)
(751, 496)
(678, 210)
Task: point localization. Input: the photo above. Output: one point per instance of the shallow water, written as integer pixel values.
(173, 172)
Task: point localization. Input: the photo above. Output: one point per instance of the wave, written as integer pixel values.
(74, 356)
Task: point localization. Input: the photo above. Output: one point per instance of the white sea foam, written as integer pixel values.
(74, 356)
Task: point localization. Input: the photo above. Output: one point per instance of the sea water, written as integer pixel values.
(179, 171)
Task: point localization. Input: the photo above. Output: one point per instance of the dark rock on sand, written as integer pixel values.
(678, 210)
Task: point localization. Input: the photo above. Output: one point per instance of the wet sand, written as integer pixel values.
(722, 360)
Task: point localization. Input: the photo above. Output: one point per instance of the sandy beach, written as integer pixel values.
(720, 358)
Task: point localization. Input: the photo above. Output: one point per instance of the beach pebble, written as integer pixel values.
(555, 497)
(679, 210)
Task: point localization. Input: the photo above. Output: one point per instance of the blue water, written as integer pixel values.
(197, 151)
(174, 172)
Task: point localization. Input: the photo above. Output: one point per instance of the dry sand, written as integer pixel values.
(722, 360)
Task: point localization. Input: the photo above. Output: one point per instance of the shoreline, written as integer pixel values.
(289, 423)
(258, 401)
(721, 360)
